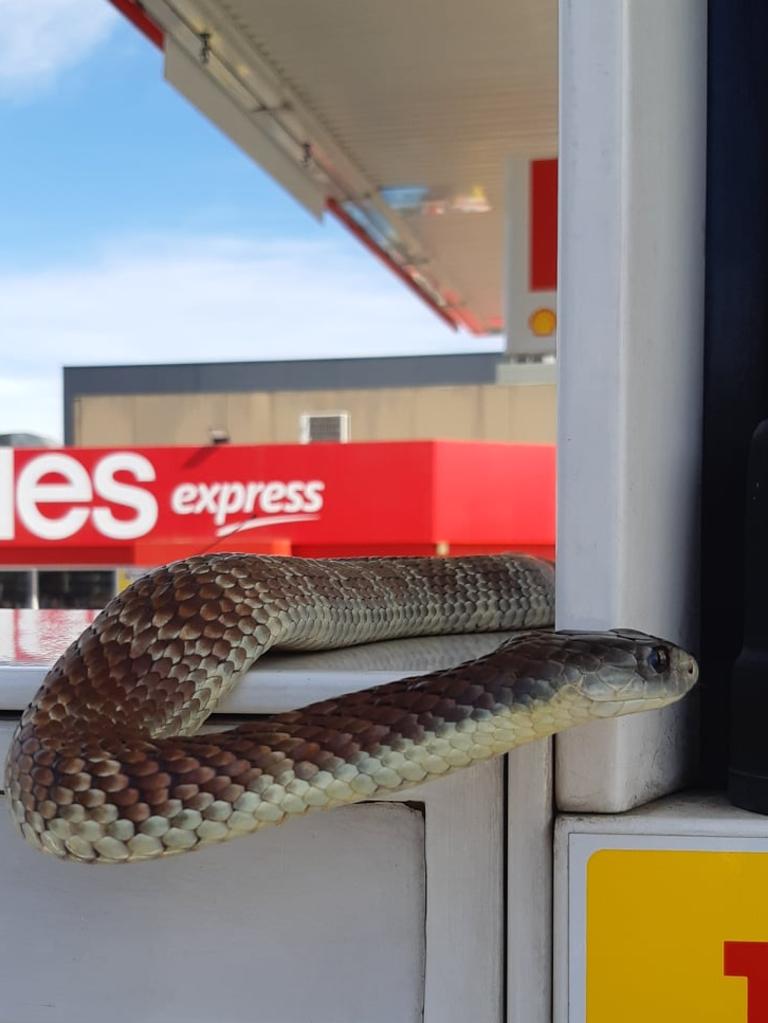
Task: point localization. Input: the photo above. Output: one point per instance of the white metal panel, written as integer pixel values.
(365, 912)
(6, 731)
(283, 928)
(632, 159)
(464, 850)
(460, 857)
(529, 884)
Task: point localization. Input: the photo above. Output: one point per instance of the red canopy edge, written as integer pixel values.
(135, 13)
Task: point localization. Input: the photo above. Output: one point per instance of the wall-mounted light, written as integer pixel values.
(218, 435)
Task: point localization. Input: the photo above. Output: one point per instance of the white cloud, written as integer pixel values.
(202, 299)
(41, 38)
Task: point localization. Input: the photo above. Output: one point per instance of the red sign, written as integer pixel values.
(140, 506)
(543, 253)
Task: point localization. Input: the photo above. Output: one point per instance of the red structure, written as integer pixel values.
(145, 506)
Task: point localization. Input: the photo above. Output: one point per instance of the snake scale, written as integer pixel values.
(105, 765)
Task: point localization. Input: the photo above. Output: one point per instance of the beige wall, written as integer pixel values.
(523, 413)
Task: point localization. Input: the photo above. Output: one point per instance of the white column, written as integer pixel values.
(632, 182)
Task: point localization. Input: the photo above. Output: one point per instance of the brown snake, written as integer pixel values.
(105, 765)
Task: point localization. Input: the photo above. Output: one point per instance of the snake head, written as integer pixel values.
(624, 671)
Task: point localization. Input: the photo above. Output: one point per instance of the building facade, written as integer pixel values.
(447, 397)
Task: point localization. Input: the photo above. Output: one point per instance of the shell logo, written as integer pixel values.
(677, 936)
(749, 959)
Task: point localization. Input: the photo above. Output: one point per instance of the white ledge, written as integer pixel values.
(283, 681)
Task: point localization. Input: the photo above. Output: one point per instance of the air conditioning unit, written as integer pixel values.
(319, 427)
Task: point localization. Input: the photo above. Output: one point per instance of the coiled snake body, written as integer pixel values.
(105, 765)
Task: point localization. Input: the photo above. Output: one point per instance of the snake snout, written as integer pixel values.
(637, 672)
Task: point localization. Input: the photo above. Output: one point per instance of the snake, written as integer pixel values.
(107, 764)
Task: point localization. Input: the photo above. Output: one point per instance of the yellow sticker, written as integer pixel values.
(677, 937)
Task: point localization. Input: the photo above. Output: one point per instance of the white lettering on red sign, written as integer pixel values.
(31, 493)
(78, 490)
(140, 500)
(78, 493)
(220, 500)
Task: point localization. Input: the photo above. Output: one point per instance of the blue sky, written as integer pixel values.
(133, 231)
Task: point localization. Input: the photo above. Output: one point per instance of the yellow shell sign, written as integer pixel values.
(676, 936)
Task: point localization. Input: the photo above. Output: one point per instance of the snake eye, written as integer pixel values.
(658, 659)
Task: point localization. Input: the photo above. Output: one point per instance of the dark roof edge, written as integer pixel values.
(494, 356)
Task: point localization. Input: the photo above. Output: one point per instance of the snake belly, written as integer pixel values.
(105, 765)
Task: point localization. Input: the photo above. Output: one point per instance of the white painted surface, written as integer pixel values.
(288, 927)
(691, 813)
(6, 731)
(368, 912)
(286, 681)
(464, 853)
(688, 821)
(446, 884)
(632, 174)
(642, 757)
(529, 884)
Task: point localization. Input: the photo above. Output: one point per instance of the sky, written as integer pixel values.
(133, 231)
